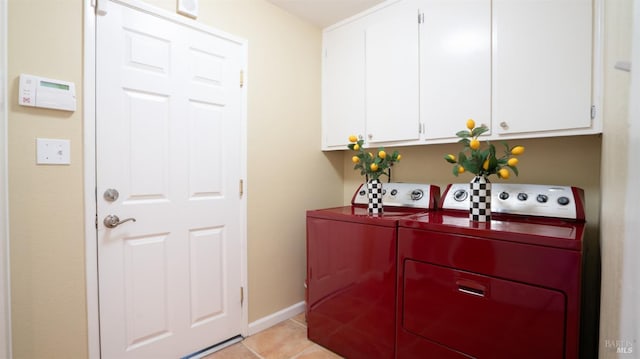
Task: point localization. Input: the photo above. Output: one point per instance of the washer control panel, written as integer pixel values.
(522, 199)
(397, 194)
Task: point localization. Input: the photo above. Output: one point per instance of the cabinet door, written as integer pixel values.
(455, 71)
(484, 317)
(542, 56)
(392, 108)
(343, 84)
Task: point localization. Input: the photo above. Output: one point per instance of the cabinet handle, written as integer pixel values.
(471, 287)
(504, 125)
(370, 137)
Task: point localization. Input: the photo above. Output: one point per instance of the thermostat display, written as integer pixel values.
(38, 91)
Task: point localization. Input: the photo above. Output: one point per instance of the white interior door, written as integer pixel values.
(168, 125)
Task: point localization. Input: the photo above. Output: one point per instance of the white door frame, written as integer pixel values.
(89, 115)
(5, 299)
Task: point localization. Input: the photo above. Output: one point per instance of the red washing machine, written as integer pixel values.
(351, 271)
(509, 288)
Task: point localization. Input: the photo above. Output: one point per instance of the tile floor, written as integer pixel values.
(287, 340)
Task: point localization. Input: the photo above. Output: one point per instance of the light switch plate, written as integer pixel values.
(53, 151)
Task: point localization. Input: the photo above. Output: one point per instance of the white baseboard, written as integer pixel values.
(275, 318)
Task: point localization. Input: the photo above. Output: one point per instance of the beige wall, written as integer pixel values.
(615, 146)
(46, 202)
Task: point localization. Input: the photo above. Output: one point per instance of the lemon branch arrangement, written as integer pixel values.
(370, 165)
(483, 162)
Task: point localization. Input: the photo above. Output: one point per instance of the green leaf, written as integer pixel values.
(493, 164)
(455, 170)
(483, 155)
(448, 159)
(463, 134)
(479, 131)
(514, 169)
(462, 158)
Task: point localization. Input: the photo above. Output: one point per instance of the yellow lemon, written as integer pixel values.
(474, 144)
(370, 154)
(452, 157)
(374, 167)
(471, 124)
(355, 159)
(485, 165)
(460, 169)
(356, 147)
(399, 157)
(353, 138)
(503, 173)
(382, 154)
(512, 162)
(518, 150)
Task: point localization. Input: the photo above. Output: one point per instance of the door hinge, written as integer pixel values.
(100, 6)
(96, 221)
(420, 18)
(241, 78)
(241, 296)
(593, 112)
(241, 187)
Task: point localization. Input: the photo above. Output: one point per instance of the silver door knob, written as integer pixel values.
(112, 221)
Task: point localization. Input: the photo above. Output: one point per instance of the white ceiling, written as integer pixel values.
(324, 12)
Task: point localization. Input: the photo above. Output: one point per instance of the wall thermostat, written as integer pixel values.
(36, 91)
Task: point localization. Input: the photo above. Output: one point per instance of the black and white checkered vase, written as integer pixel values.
(480, 200)
(374, 193)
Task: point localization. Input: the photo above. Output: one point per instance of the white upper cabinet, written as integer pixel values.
(455, 55)
(392, 67)
(542, 65)
(410, 72)
(343, 70)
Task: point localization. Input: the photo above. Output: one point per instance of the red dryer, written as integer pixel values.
(351, 271)
(509, 288)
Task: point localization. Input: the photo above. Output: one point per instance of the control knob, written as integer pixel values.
(563, 201)
(417, 194)
(504, 195)
(523, 196)
(362, 192)
(394, 192)
(542, 198)
(460, 195)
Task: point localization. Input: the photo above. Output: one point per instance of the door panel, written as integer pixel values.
(392, 74)
(168, 139)
(543, 69)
